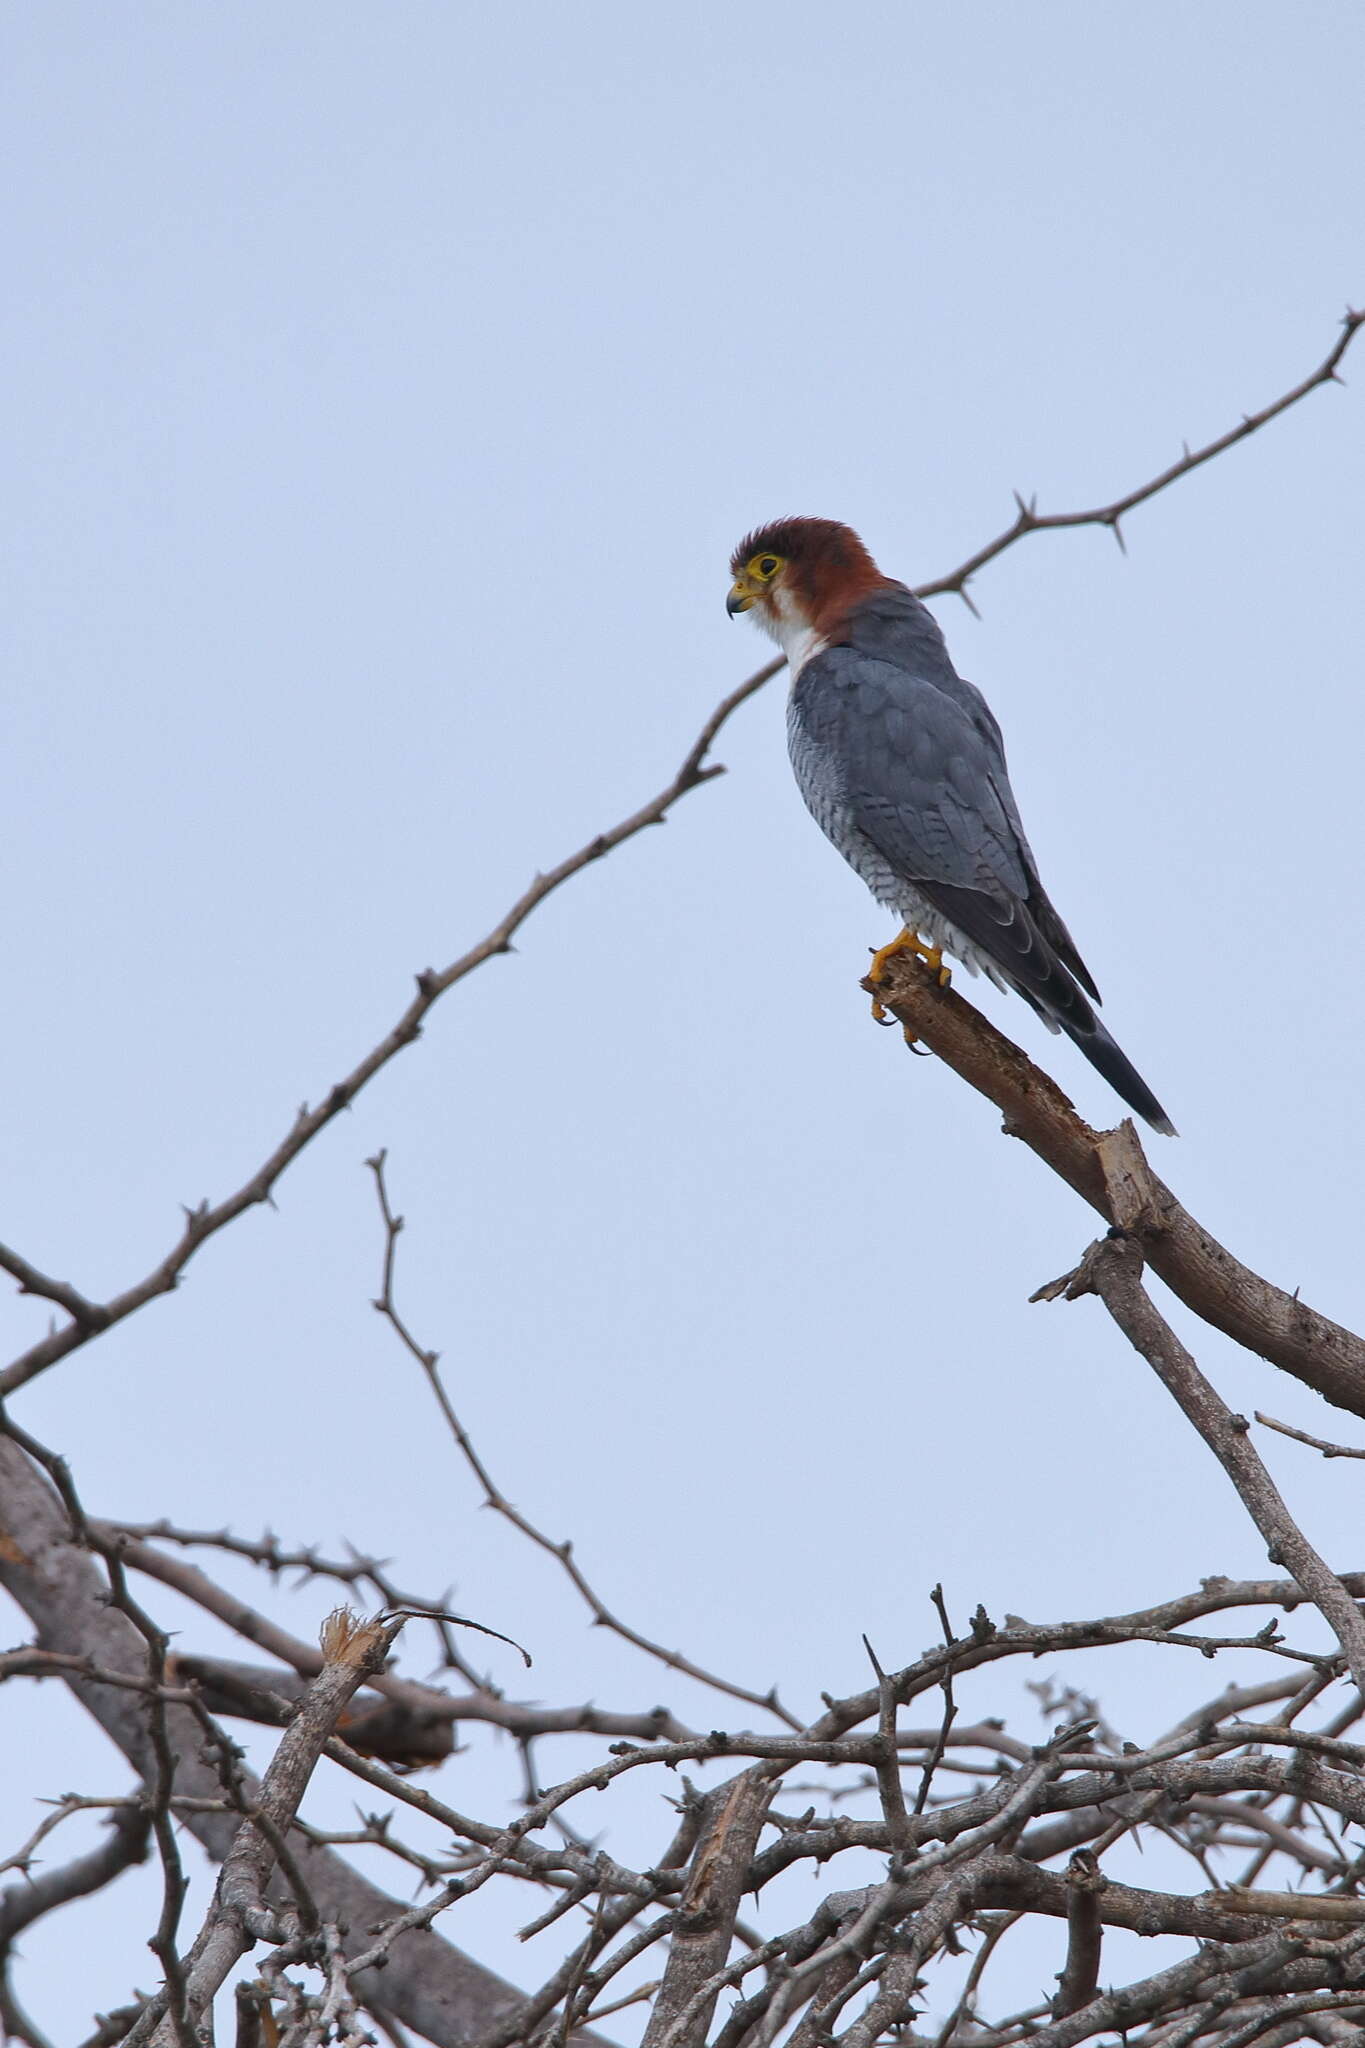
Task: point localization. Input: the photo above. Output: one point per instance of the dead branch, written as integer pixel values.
(1028, 519)
(205, 1220)
(428, 1984)
(1112, 1268)
(1081, 1975)
(1110, 1172)
(239, 1915)
(430, 1362)
(126, 1844)
(1315, 1443)
(716, 1881)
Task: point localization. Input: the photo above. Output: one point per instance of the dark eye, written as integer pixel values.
(767, 566)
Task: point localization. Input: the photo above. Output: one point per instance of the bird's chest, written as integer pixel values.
(817, 767)
(821, 768)
(821, 777)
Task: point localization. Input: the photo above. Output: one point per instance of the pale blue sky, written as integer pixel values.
(386, 389)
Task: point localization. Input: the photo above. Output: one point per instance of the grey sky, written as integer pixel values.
(387, 387)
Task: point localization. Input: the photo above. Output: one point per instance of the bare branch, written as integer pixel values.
(205, 1220)
(1315, 1443)
(125, 1845)
(888, 1762)
(1100, 1167)
(1081, 1975)
(1029, 520)
(1112, 1268)
(935, 1757)
(496, 1499)
(239, 1916)
(429, 1985)
(716, 1881)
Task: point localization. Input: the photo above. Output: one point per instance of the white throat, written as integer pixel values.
(787, 624)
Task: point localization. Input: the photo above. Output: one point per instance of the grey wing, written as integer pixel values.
(922, 779)
(1040, 903)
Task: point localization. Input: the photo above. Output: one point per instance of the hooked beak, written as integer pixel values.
(741, 598)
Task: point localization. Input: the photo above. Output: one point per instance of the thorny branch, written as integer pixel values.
(240, 1914)
(1028, 519)
(430, 1362)
(1109, 1170)
(1112, 1268)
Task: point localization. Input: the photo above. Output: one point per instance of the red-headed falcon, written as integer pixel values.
(902, 765)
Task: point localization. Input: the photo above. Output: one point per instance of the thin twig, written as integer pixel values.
(1028, 519)
(205, 1219)
(1316, 1443)
(1112, 1268)
(888, 1766)
(494, 1497)
(935, 1757)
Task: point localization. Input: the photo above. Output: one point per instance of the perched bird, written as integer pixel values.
(902, 765)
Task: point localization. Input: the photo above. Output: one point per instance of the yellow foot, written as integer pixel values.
(906, 942)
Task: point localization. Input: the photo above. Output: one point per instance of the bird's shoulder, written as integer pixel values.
(889, 653)
(851, 696)
(914, 746)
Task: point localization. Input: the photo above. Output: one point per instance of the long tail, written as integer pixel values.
(1118, 1070)
(1046, 970)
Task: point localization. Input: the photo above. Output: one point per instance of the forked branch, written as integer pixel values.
(1109, 1170)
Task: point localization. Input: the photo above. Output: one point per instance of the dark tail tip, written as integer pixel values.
(1122, 1076)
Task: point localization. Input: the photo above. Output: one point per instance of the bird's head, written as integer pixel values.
(801, 577)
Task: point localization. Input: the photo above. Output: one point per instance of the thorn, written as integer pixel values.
(1185, 450)
(966, 599)
(1118, 535)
